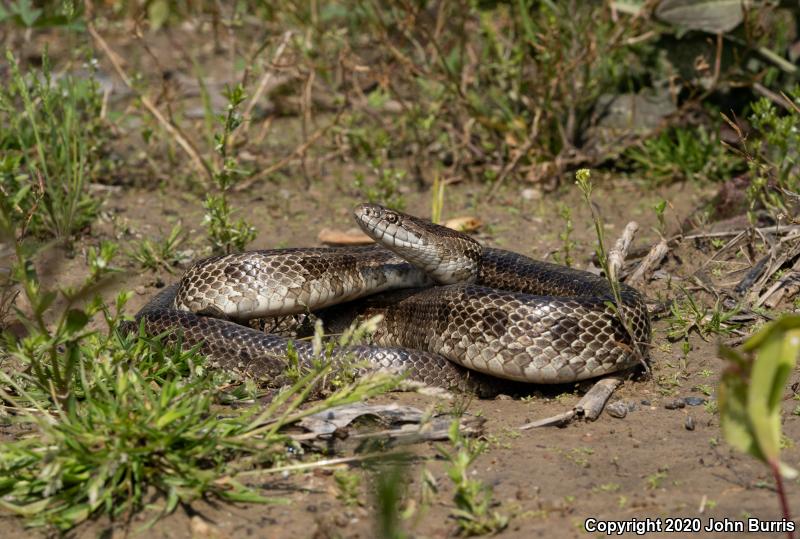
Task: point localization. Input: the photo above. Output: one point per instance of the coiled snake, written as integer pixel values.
(495, 312)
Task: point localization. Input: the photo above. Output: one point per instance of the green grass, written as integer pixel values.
(51, 142)
(161, 254)
(689, 315)
(684, 154)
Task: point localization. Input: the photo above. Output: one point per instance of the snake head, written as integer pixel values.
(448, 256)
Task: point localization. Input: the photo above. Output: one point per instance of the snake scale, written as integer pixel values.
(455, 314)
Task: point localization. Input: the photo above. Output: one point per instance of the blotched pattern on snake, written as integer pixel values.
(455, 314)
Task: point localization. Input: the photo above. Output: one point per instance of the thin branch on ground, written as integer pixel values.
(168, 126)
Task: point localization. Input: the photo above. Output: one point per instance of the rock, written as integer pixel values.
(675, 404)
(531, 194)
(645, 402)
(618, 409)
(695, 401)
(689, 424)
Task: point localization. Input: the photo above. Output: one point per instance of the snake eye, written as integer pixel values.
(391, 217)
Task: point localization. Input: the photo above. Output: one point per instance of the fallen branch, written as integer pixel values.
(770, 265)
(649, 263)
(616, 256)
(589, 407)
(787, 286)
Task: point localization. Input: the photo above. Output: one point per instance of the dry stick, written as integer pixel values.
(775, 264)
(616, 256)
(299, 150)
(589, 407)
(649, 263)
(788, 286)
(266, 80)
(198, 161)
(771, 229)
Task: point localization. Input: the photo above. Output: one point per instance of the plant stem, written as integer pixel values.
(773, 465)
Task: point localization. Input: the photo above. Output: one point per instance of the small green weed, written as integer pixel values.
(567, 243)
(225, 234)
(688, 315)
(473, 499)
(386, 188)
(390, 486)
(683, 154)
(348, 486)
(160, 254)
(655, 480)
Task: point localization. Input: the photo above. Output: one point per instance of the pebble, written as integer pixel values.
(618, 409)
(689, 424)
(695, 401)
(675, 404)
(645, 402)
(531, 194)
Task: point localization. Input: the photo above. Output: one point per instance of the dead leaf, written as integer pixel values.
(352, 236)
(464, 224)
(712, 16)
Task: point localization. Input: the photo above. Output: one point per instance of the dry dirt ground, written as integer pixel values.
(549, 480)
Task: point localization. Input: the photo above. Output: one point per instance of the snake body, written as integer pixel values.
(449, 304)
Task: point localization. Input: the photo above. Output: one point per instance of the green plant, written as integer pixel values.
(386, 188)
(687, 316)
(26, 14)
(660, 209)
(225, 234)
(348, 485)
(466, 77)
(654, 481)
(52, 352)
(50, 151)
(161, 254)
(772, 157)
(682, 154)
(567, 244)
(390, 486)
(751, 391)
(437, 198)
(473, 499)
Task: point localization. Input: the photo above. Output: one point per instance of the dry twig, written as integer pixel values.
(616, 256)
(263, 83)
(649, 263)
(589, 407)
(168, 126)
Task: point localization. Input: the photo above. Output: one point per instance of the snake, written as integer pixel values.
(454, 313)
